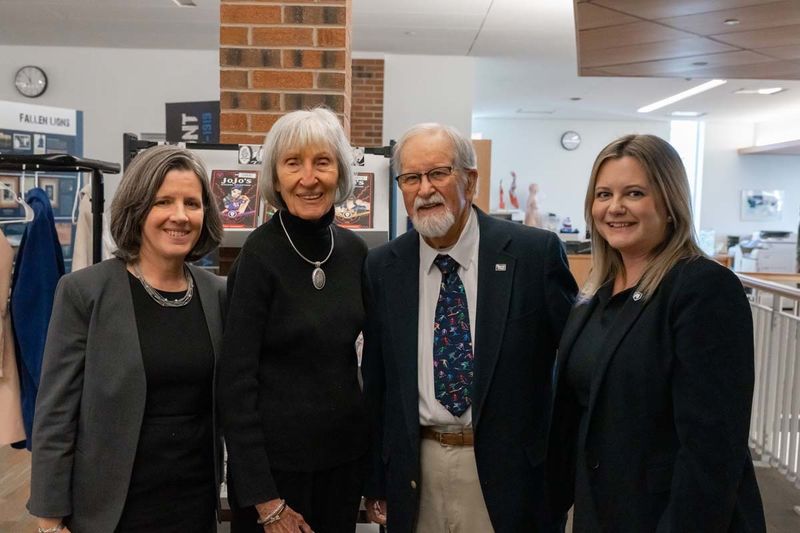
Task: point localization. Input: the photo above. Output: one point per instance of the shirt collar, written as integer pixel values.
(463, 251)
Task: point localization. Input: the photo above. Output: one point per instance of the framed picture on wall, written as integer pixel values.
(8, 198)
(761, 204)
(51, 187)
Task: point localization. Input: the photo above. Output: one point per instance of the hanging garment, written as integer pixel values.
(82, 250)
(11, 426)
(39, 266)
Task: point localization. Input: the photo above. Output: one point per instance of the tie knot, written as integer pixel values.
(446, 264)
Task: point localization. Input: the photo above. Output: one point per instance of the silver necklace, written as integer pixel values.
(318, 275)
(159, 298)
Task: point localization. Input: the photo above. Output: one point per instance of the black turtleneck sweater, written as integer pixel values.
(288, 390)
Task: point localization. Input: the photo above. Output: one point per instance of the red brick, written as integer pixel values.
(331, 37)
(283, 36)
(249, 14)
(232, 35)
(315, 15)
(232, 121)
(277, 79)
(249, 57)
(233, 79)
(330, 80)
(262, 123)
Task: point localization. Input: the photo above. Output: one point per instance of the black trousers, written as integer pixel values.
(327, 499)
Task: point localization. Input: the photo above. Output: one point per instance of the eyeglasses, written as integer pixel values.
(412, 180)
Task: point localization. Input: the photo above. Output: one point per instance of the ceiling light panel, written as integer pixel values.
(681, 96)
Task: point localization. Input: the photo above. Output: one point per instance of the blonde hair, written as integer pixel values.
(666, 174)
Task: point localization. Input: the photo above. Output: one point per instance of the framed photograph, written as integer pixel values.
(51, 187)
(761, 204)
(8, 199)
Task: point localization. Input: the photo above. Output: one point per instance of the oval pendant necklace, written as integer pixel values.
(318, 275)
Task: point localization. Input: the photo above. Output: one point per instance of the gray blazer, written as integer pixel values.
(92, 395)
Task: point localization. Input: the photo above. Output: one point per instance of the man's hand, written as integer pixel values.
(376, 511)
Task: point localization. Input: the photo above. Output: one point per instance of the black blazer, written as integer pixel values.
(669, 410)
(520, 314)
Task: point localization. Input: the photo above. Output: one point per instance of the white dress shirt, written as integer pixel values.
(465, 252)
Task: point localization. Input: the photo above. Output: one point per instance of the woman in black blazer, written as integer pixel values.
(654, 376)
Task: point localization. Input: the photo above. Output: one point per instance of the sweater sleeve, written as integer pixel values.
(249, 293)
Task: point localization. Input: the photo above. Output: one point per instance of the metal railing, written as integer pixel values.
(774, 429)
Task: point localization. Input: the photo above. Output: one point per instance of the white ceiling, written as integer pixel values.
(525, 51)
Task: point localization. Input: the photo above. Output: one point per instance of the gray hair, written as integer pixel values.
(303, 129)
(137, 192)
(464, 157)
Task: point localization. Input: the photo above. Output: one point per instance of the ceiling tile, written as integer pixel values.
(750, 18)
(782, 36)
(656, 9)
(628, 34)
(693, 46)
(591, 16)
(686, 66)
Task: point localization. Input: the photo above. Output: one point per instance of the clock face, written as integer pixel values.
(570, 140)
(31, 81)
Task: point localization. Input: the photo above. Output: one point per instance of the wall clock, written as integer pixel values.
(570, 140)
(31, 81)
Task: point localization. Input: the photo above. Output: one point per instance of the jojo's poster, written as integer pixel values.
(236, 194)
(356, 211)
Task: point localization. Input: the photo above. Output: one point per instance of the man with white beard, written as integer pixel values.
(460, 337)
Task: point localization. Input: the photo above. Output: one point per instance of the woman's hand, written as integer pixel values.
(291, 521)
(49, 523)
(376, 510)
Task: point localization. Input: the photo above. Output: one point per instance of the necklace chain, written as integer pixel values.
(318, 275)
(306, 259)
(158, 297)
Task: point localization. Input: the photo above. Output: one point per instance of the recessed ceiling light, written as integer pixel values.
(409, 33)
(731, 22)
(700, 63)
(681, 95)
(535, 111)
(575, 98)
(763, 91)
(687, 114)
(184, 3)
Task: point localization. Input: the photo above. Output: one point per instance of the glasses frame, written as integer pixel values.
(402, 179)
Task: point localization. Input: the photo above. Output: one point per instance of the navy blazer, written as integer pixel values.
(669, 410)
(521, 310)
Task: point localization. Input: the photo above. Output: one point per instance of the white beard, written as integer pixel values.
(432, 226)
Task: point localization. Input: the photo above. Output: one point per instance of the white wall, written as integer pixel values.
(425, 89)
(532, 149)
(119, 90)
(726, 173)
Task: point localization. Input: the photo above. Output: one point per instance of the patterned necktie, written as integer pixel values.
(452, 341)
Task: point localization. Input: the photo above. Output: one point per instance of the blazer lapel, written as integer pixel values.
(127, 334)
(211, 309)
(495, 283)
(622, 324)
(401, 294)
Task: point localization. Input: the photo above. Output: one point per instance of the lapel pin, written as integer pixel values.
(637, 296)
(500, 267)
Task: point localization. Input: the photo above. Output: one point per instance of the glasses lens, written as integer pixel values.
(438, 174)
(408, 180)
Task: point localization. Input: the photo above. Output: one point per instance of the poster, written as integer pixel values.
(236, 195)
(356, 211)
(193, 122)
(758, 204)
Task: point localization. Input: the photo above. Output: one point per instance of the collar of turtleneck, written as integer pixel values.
(311, 237)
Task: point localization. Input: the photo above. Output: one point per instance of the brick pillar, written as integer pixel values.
(277, 56)
(366, 117)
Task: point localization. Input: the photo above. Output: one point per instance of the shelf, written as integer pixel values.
(784, 148)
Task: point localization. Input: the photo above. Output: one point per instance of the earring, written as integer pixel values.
(669, 220)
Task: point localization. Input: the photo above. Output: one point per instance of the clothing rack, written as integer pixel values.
(70, 163)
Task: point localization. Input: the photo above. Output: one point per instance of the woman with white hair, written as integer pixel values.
(289, 398)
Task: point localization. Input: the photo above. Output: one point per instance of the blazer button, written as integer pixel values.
(595, 464)
(413, 484)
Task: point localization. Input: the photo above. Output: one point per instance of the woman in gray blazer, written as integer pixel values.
(124, 437)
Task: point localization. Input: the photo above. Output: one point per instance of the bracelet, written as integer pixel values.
(272, 517)
(54, 529)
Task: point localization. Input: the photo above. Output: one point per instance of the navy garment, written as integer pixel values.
(39, 265)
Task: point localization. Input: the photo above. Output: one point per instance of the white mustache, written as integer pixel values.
(436, 198)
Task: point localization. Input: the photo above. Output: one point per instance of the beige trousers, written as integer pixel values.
(451, 500)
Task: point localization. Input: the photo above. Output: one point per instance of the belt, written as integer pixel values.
(462, 438)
